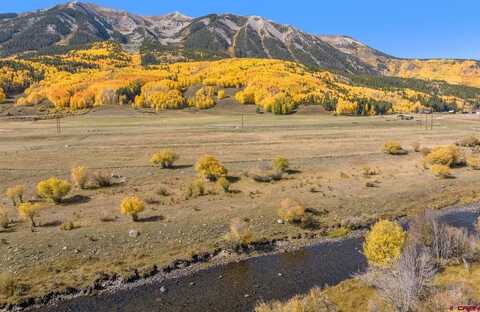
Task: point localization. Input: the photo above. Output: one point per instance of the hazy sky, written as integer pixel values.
(420, 28)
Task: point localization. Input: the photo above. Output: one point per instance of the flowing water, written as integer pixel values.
(239, 286)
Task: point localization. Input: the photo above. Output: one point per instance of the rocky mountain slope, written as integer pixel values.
(221, 35)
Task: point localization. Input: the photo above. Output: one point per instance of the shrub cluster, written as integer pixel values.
(384, 243)
(210, 168)
(79, 176)
(393, 148)
(291, 210)
(441, 171)
(240, 232)
(448, 155)
(15, 194)
(29, 211)
(164, 158)
(132, 206)
(53, 189)
(280, 164)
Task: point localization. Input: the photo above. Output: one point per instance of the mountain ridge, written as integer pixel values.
(76, 23)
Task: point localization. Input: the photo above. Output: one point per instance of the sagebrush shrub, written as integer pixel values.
(280, 163)
(67, 226)
(164, 158)
(102, 178)
(132, 206)
(29, 211)
(79, 176)
(4, 221)
(448, 155)
(15, 194)
(240, 232)
(393, 148)
(195, 189)
(291, 210)
(441, 171)
(384, 243)
(210, 168)
(53, 189)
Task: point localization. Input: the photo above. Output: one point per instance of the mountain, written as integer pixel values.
(77, 23)
(74, 24)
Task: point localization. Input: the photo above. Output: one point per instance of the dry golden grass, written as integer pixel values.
(442, 171)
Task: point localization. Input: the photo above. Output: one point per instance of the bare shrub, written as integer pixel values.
(405, 284)
(291, 210)
(102, 178)
(444, 242)
(240, 232)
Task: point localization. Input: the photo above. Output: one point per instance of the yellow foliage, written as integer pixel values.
(79, 176)
(28, 211)
(210, 168)
(221, 94)
(346, 107)
(132, 206)
(53, 189)
(280, 163)
(393, 148)
(441, 171)
(2, 95)
(384, 243)
(164, 158)
(448, 155)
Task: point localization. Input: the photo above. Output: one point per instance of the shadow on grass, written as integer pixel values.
(151, 219)
(55, 223)
(77, 199)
